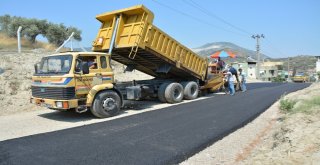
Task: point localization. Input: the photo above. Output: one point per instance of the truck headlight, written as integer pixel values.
(59, 104)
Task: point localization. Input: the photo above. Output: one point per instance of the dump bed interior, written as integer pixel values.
(142, 46)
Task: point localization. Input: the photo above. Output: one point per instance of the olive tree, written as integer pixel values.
(4, 23)
(14, 25)
(31, 28)
(77, 33)
(56, 34)
(35, 27)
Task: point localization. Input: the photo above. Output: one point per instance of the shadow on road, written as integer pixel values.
(68, 116)
(74, 117)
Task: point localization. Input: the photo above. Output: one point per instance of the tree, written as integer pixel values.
(4, 23)
(31, 28)
(34, 28)
(77, 33)
(14, 25)
(56, 34)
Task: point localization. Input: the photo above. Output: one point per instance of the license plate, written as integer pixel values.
(46, 105)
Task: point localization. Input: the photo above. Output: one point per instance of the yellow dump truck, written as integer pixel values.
(85, 80)
(300, 77)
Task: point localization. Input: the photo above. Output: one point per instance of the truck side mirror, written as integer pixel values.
(85, 68)
(78, 68)
(36, 67)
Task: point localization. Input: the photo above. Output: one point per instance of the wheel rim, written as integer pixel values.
(109, 104)
(176, 93)
(193, 90)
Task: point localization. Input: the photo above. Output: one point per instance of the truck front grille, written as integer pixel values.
(59, 93)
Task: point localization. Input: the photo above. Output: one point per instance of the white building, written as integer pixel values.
(252, 66)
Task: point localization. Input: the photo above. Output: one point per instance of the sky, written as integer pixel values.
(291, 27)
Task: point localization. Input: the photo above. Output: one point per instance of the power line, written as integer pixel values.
(202, 9)
(195, 18)
(205, 11)
(273, 47)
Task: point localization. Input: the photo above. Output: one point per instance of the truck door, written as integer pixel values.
(106, 70)
(84, 82)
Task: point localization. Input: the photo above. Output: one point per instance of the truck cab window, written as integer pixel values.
(103, 62)
(91, 61)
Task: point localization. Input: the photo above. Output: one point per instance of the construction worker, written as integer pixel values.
(235, 73)
(230, 80)
(243, 80)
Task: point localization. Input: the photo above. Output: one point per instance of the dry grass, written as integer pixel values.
(309, 106)
(11, 43)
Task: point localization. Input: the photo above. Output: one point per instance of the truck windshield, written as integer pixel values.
(55, 64)
(300, 74)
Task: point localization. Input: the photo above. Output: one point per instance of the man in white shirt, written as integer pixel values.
(230, 80)
(243, 80)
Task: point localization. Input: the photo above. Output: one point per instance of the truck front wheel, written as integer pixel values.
(106, 104)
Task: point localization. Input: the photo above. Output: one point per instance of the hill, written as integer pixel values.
(213, 47)
(9, 43)
(300, 63)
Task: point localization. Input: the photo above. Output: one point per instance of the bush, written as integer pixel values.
(278, 79)
(286, 105)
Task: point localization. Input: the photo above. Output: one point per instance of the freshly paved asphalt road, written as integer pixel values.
(165, 136)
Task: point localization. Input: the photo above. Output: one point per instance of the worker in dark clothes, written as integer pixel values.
(221, 64)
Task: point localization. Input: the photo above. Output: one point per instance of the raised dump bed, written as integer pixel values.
(141, 45)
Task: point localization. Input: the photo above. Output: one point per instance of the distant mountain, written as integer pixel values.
(241, 52)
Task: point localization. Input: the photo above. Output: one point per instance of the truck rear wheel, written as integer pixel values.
(190, 90)
(174, 93)
(106, 104)
(161, 92)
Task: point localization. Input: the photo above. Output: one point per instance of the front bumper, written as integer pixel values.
(298, 80)
(53, 104)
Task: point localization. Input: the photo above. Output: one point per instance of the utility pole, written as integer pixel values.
(257, 37)
(19, 39)
(288, 68)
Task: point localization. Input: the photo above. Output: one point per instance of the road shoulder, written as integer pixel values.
(254, 143)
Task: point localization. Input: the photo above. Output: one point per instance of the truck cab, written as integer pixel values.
(76, 80)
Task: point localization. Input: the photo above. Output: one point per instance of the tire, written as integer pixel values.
(161, 92)
(174, 93)
(106, 104)
(190, 90)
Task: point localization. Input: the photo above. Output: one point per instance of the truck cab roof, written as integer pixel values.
(78, 53)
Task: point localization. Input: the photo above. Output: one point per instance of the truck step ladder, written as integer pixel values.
(135, 48)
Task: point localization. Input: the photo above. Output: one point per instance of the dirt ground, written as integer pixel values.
(272, 138)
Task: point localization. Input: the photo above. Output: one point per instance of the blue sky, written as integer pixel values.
(291, 27)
